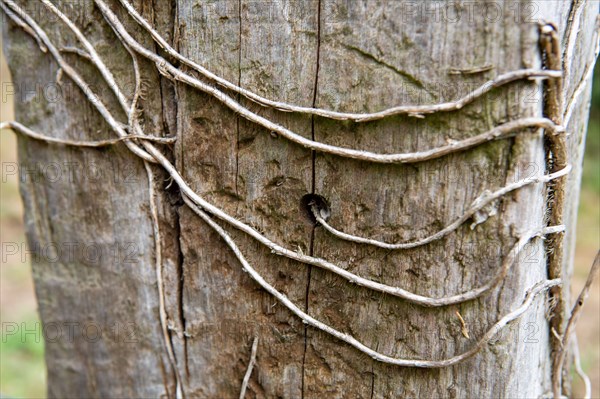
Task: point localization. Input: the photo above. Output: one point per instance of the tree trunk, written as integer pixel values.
(90, 228)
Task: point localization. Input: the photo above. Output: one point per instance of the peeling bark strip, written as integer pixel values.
(261, 179)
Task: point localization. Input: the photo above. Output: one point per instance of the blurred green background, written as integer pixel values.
(22, 370)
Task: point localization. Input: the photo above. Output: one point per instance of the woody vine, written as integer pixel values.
(142, 144)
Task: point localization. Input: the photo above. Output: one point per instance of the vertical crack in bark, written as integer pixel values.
(163, 112)
(166, 104)
(372, 381)
(313, 180)
(180, 299)
(180, 255)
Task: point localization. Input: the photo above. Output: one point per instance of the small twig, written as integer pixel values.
(480, 203)
(471, 71)
(463, 326)
(356, 117)
(75, 143)
(575, 313)
(75, 50)
(556, 149)
(579, 370)
(555, 334)
(249, 370)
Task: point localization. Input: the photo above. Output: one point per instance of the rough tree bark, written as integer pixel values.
(359, 56)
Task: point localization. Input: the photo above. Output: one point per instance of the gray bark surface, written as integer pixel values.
(359, 56)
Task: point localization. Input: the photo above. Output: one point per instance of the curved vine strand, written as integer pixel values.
(275, 248)
(501, 323)
(356, 117)
(251, 363)
(331, 267)
(498, 132)
(76, 143)
(574, 317)
(74, 75)
(349, 339)
(581, 87)
(351, 277)
(128, 107)
(481, 202)
(23, 25)
(91, 52)
(572, 30)
(173, 73)
(92, 55)
(162, 313)
(579, 370)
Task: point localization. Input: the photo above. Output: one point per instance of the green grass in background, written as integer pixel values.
(22, 369)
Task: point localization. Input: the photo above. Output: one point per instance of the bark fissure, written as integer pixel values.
(183, 334)
(313, 188)
(181, 297)
(406, 75)
(168, 101)
(372, 382)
